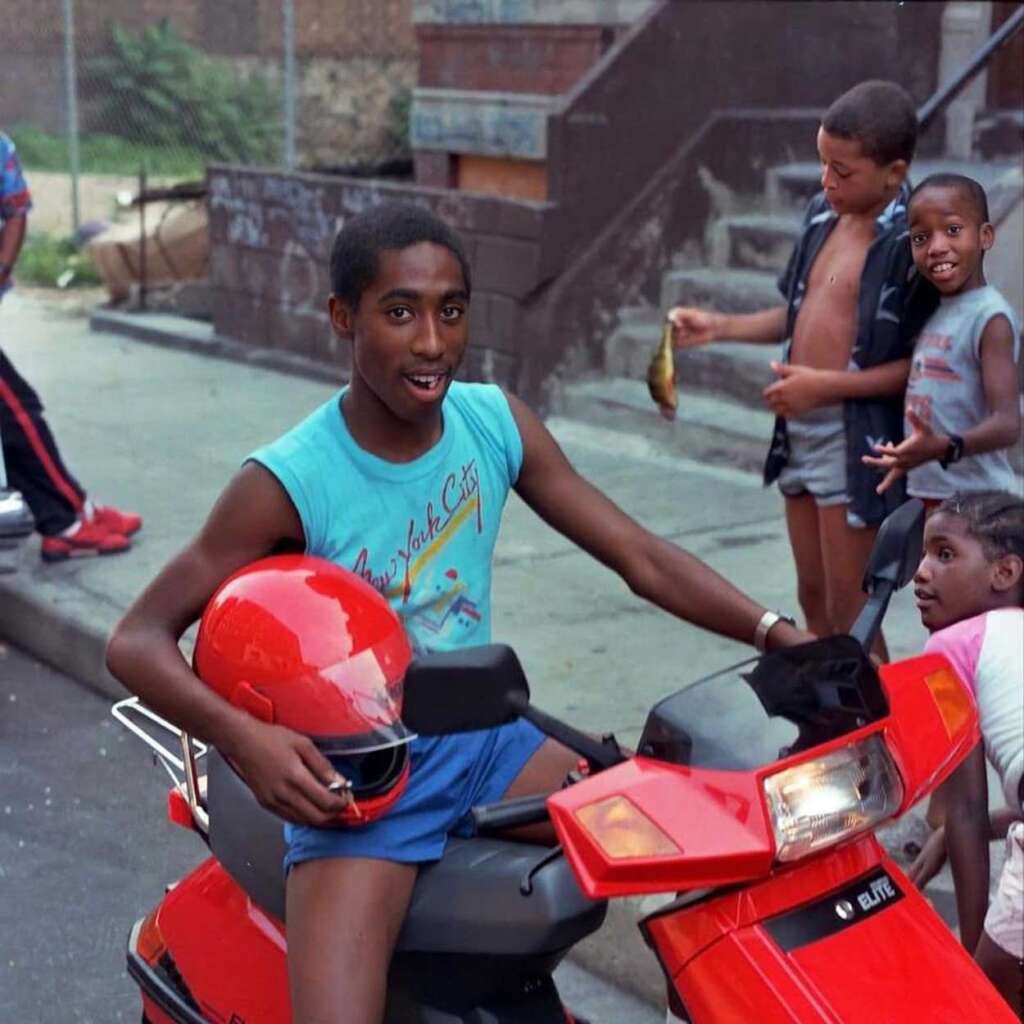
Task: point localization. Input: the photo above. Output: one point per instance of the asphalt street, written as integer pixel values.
(85, 849)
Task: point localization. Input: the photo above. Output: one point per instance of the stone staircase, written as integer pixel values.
(722, 416)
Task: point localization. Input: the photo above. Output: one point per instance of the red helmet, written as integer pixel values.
(300, 641)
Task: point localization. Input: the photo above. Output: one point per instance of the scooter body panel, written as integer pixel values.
(716, 819)
(841, 939)
(223, 958)
(227, 958)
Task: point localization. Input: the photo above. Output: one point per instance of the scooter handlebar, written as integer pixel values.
(524, 810)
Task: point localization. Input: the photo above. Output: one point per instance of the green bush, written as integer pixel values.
(158, 90)
(54, 263)
(103, 154)
(397, 132)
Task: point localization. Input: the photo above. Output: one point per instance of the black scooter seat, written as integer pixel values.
(470, 901)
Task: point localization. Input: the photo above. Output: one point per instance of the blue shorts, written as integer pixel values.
(448, 776)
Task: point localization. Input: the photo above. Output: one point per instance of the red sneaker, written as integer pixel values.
(116, 521)
(89, 539)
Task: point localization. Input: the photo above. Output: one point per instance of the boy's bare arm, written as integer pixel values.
(802, 388)
(653, 568)
(693, 327)
(1001, 428)
(967, 838)
(281, 767)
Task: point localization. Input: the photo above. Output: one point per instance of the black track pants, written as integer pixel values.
(34, 465)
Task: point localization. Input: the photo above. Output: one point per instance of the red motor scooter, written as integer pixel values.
(788, 909)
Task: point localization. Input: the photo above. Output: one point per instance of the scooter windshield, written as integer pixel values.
(759, 711)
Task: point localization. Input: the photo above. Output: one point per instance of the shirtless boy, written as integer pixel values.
(852, 308)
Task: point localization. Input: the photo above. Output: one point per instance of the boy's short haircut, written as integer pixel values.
(880, 116)
(387, 226)
(968, 188)
(995, 519)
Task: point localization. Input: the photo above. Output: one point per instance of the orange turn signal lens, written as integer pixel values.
(623, 831)
(951, 698)
(149, 943)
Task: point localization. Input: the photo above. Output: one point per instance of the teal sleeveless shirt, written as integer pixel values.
(421, 532)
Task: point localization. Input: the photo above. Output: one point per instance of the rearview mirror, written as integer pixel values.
(458, 691)
(897, 551)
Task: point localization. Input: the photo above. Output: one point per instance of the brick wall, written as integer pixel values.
(333, 28)
(534, 59)
(353, 56)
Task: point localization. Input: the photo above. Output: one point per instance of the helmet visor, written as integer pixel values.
(361, 706)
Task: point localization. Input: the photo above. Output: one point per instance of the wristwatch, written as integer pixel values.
(764, 626)
(954, 451)
(5, 268)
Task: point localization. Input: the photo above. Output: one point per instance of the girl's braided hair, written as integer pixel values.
(993, 518)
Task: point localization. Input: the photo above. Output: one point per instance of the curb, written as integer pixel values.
(198, 337)
(62, 641)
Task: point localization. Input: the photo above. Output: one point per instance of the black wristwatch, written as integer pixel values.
(954, 451)
(5, 268)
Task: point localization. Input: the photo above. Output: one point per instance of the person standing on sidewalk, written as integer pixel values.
(71, 525)
(853, 305)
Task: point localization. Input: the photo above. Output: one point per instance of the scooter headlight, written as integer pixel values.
(833, 797)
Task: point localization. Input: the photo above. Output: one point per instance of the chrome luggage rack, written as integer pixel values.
(183, 770)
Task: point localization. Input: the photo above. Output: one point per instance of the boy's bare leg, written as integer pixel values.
(543, 773)
(805, 540)
(845, 552)
(344, 916)
(1004, 971)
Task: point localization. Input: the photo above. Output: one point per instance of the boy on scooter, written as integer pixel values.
(401, 478)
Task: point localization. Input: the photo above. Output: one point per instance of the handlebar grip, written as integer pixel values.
(524, 810)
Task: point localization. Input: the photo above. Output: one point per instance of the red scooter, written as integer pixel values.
(788, 909)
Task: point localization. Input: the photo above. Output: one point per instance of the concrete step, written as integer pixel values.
(792, 186)
(1000, 133)
(753, 241)
(708, 429)
(733, 370)
(729, 291)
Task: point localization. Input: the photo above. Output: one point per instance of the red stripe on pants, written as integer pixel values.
(29, 429)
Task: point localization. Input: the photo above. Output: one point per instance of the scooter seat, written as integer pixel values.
(483, 896)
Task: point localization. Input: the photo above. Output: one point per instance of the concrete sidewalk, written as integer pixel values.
(160, 431)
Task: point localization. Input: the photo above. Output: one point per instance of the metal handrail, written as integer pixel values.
(944, 96)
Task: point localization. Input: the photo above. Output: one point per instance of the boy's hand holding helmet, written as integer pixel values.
(288, 775)
(317, 659)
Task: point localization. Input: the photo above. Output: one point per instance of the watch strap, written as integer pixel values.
(954, 451)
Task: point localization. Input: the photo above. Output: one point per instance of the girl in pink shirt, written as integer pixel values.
(969, 589)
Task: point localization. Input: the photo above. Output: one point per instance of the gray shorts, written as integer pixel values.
(817, 457)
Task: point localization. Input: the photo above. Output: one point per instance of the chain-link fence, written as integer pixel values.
(111, 88)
